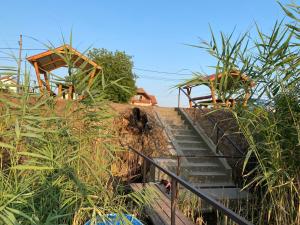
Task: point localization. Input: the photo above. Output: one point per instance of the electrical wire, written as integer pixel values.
(162, 72)
(134, 68)
(25, 49)
(159, 78)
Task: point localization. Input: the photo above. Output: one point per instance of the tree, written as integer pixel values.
(117, 69)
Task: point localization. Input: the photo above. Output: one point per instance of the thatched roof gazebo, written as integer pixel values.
(218, 82)
(62, 56)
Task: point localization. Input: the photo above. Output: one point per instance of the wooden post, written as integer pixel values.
(38, 76)
(194, 119)
(173, 201)
(70, 94)
(189, 90)
(233, 103)
(213, 93)
(179, 90)
(227, 103)
(92, 74)
(59, 90)
(47, 82)
(19, 63)
(247, 96)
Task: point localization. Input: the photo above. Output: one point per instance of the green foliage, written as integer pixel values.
(272, 130)
(229, 57)
(55, 161)
(117, 68)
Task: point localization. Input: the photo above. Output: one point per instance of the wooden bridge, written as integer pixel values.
(160, 209)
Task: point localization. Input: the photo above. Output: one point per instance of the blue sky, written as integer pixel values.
(154, 32)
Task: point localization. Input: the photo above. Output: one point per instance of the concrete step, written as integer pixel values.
(208, 176)
(184, 127)
(202, 167)
(187, 137)
(226, 193)
(196, 151)
(190, 168)
(192, 144)
(183, 132)
(165, 114)
(176, 123)
(205, 173)
(214, 185)
(170, 116)
(219, 172)
(202, 159)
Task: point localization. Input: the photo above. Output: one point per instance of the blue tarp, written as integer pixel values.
(114, 219)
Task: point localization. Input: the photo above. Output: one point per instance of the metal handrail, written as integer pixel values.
(200, 156)
(177, 180)
(213, 122)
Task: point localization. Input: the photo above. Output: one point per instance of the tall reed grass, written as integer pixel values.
(272, 128)
(56, 158)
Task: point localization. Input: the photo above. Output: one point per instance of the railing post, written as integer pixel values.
(144, 172)
(194, 115)
(178, 174)
(178, 166)
(217, 145)
(179, 90)
(173, 200)
(129, 167)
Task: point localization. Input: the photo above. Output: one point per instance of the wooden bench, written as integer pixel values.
(160, 209)
(219, 102)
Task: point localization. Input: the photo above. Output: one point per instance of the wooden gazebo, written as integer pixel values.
(52, 59)
(214, 82)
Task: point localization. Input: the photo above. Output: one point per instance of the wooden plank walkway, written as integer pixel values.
(160, 209)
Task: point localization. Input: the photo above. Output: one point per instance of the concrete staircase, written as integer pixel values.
(211, 174)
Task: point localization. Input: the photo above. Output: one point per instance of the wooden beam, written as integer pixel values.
(53, 61)
(38, 76)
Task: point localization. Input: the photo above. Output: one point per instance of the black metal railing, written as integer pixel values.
(175, 180)
(219, 131)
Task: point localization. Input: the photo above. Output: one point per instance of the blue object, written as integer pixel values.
(114, 219)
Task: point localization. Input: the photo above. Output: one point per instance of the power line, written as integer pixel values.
(162, 72)
(158, 78)
(27, 49)
(135, 68)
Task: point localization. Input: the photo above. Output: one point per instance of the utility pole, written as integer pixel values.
(19, 63)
